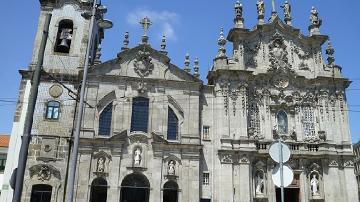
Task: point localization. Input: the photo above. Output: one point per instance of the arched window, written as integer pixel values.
(282, 122)
(98, 190)
(105, 120)
(170, 192)
(64, 36)
(173, 125)
(52, 110)
(140, 114)
(41, 193)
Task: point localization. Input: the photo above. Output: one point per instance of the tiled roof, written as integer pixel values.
(4, 140)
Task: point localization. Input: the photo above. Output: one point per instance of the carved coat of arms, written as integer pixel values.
(143, 64)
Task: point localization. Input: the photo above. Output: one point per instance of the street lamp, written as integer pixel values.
(96, 14)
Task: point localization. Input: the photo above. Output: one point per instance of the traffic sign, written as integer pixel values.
(288, 175)
(275, 150)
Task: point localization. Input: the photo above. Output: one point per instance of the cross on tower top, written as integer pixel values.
(145, 23)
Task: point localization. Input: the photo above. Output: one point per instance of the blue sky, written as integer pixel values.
(191, 26)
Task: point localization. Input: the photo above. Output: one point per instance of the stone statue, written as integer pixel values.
(259, 184)
(314, 17)
(287, 10)
(137, 156)
(171, 168)
(314, 182)
(238, 9)
(101, 164)
(260, 8)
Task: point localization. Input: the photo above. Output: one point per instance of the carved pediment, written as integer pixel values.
(141, 62)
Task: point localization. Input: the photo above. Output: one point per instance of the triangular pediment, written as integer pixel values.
(142, 62)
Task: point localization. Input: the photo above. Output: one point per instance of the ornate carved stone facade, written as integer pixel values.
(143, 117)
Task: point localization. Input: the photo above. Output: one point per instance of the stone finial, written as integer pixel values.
(260, 7)
(287, 12)
(330, 52)
(187, 63)
(163, 45)
(238, 20)
(97, 55)
(145, 23)
(315, 22)
(126, 41)
(196, 67)
(221, 43)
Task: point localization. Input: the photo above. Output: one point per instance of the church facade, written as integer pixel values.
(153, 131)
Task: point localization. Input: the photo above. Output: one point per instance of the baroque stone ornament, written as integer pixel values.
(226, 158)
(260, 7)
(44, 172)
(278, 55)
(55, 90)
(143, 64)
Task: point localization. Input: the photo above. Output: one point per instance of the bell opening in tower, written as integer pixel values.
(64, 36)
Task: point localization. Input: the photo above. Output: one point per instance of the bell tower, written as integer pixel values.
(68, 35)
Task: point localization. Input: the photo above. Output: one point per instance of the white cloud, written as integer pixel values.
(164, 20)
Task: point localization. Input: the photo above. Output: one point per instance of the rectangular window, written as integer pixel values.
(206, 132)
(52, 110)
(140, 114)
(2, 164)
(206, 178)
(205, 200)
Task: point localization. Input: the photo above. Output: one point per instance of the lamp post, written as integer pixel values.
(105, 24)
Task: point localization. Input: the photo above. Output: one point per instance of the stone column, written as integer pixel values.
(225, 184)
(350, 181)
(237, 182)
(332, 189)
(245, 179)
(113, 192)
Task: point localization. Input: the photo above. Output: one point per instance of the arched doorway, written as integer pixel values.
(41, 193)
(170, 193)
(98, 190)
(135, 188)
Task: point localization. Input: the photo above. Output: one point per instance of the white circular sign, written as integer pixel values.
(274, 152)
(288, 175)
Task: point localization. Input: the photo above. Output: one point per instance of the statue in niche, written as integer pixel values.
(137, 156)
(171, 168)
(101, 164)
(314, 183)
(259, 183)
(260, 6)
(314, 17)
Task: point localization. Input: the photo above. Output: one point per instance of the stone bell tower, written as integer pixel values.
(68, 35)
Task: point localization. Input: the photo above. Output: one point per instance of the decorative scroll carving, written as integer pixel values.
(244, 159)
(278, 53)
(226, 158)
(349, 164)
(44, 172)
(333, 163)
(231, 92)
(143, 64)
(251, 53)
(303, 56)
